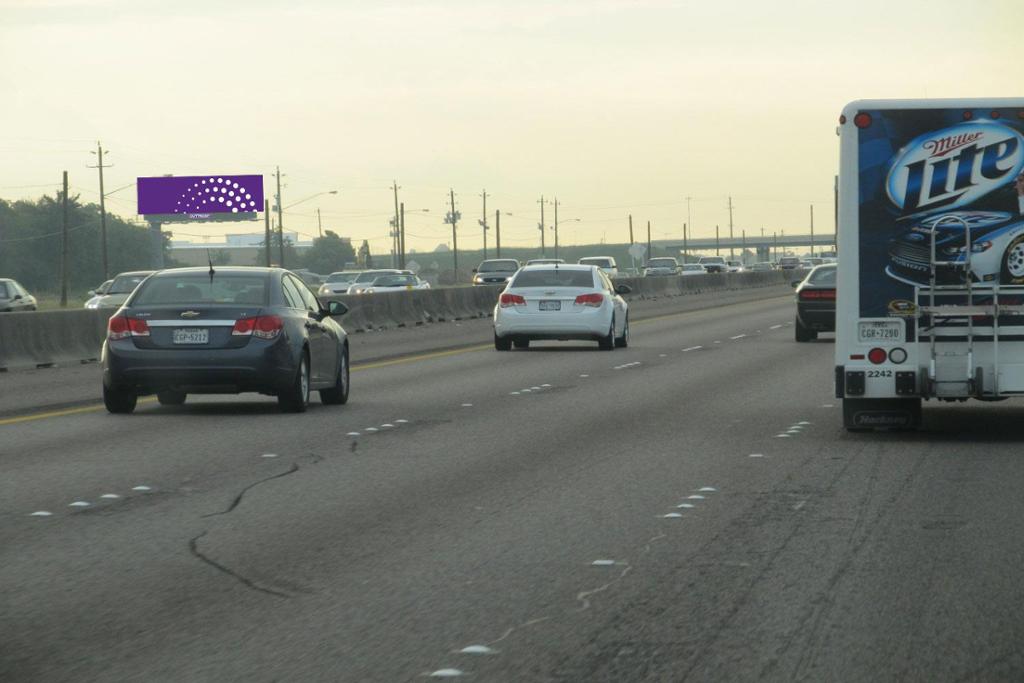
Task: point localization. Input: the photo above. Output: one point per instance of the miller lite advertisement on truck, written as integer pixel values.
(958, 174)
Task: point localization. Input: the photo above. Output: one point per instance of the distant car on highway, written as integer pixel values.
(692, 269)
(714, 264)
(366, 278)
(789, 263)
(544, 261)
(816, 303)
(338, 283)
(567, 302)
(496, 271)
(232, 330)
(661, 266)
(119, 290)
(605, 263)
(396, 283)
(735, 266)
(762, 267)
(14, 297)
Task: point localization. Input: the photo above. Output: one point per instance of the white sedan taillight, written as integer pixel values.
(595, 300)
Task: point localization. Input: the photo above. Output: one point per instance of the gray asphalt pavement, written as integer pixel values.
(688, 508)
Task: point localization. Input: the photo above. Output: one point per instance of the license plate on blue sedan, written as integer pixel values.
(550, 305)
(191, 335)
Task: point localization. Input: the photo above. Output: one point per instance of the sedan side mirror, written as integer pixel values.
(91, 292)
(336, 308)
(623, 289)
(474, 270)
(795, 283)
(17, 297)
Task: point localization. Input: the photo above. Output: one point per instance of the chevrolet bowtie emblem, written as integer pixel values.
(190, 314)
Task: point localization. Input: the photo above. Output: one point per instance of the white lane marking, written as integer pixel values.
(349, 434)
(524, 391)
(803, 423)
(477, 650)
(41, 513)
(535, 388)
(717, 341)
(584, 375)
(467, 405)
(513, 393)
(371, 429)
(695, 496)
(693, 348)
(402, 422)
(447, 673)
(738, 336)
(757, 332)
(662, 355)
(110, 496)
(782, 436)
(827, 405)
(707, 489)
(545, 385)
(141, 488)
(793, 431)
(756, 455)
(775, 327)
(686, 506)
(672, 515)
(603, 563)
(269, 455)
(800, 505)
(79, 504)
(387, 425)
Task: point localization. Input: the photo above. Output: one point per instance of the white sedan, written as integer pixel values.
(395, 283)
(561, 302)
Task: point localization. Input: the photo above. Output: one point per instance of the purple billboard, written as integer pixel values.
(196, 197)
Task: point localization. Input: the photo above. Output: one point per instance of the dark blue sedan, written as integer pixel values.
(225, 331)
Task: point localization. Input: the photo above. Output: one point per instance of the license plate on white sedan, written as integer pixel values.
(870, 331)
(550, 305)
(190, 335)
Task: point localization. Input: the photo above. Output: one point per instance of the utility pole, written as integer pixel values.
(556, 227)
(717, 250)
(686, 249)
(64, 248)
(835, 217)
(497, 232)
(744, 249)
(319, 224)
(394, 231)
(731, 254)
(453, 218)
(103, 209)
(689, 220)
(812, 229)
(630, 229)
(401, 237)
(649, 254)
(543, 250)
(280, 216)
(266, 230)
(775, 243)
(483, 223)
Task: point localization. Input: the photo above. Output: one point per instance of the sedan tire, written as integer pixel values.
(803, 334)
(522, 343)
(295, 399)
(623, 341)
(338, 394)
(119, 401)
(502, 344)
(607, 342)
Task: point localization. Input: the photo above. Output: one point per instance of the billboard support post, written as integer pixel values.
(156, 244)
(266, 230)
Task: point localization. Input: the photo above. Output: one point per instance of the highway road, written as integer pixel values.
(686, 509)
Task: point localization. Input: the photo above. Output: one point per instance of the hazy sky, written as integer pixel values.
(613, 106)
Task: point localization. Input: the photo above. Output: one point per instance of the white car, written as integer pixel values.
(396, 282)
(605, 263)
(567, 302)
(366, 278)
(735, 266)
(692, 269)
(544, 261)
(338, 283)
(661, 265)
(119, 290)
(714, 264)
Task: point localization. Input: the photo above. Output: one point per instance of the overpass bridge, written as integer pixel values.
(764, 245)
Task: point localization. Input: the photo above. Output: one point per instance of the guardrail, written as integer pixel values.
(36, 339)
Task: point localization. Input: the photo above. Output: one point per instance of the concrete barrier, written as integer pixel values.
(29, 340)
(51, 337)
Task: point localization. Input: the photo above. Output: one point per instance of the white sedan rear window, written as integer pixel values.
(554, 278)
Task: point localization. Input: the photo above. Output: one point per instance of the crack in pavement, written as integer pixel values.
(193, 546)
(238, 499)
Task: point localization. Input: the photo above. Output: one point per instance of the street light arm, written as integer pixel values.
(318, 194)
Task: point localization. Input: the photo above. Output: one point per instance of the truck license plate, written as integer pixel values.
(190, 335)
(550, 305)
(879, 331)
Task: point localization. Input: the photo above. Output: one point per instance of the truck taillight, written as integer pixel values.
(862, 120)
(877, 356)
(512, 300)
(595, 300)
(122, 327)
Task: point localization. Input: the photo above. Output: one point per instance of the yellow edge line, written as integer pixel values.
(60, 413)
(426, 356)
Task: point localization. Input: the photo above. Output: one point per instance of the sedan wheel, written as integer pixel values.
(296, 398)
(338, 394)
(623, 341)
(119, 401)
(607, 342)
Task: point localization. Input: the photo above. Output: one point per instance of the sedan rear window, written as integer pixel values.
(190, 289)
(599, 262)
(822, 276)
(125, 284)
(498, 266)
(554, 278)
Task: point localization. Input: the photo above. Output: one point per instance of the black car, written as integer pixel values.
(816, 303)
(225, 331)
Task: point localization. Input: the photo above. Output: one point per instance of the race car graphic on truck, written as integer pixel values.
(941, 173)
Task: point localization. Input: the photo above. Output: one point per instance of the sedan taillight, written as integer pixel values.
(263, 327)
(817, 294)
(512, 300)
(122, 327)
(595, 300)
